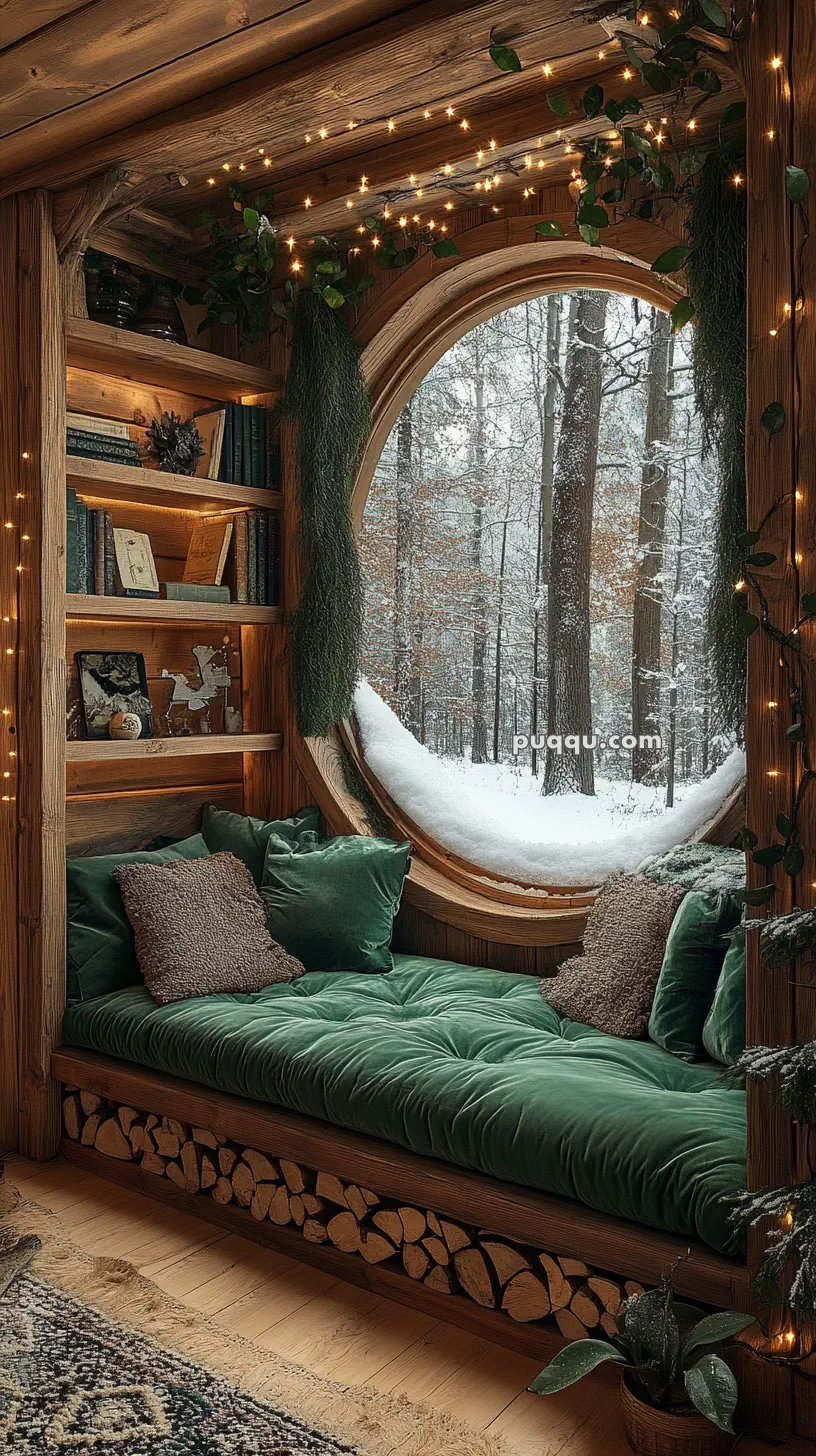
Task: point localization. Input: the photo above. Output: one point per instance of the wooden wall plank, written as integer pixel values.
(41, 674)
(105, 824)
(9, 485)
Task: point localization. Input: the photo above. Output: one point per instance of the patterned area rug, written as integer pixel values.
(95, 1360)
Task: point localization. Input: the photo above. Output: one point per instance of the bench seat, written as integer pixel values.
(467, 1065)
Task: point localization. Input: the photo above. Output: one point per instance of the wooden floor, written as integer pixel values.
(330, 1326)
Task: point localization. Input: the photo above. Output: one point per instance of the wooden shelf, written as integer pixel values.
(153, 361)
(106, 480)
(198, 745)
(146, 609)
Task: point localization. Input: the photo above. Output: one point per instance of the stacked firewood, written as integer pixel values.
(445, 1254)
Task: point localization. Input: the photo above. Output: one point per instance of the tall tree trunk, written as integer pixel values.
(569, 705)
(545, 404)
(499, 630)
(675, 649)
(406, 505)
(478, 751)
(648, 606)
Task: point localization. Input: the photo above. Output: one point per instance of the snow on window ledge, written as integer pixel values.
(514, 832)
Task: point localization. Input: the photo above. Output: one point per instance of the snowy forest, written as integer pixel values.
(536, 554)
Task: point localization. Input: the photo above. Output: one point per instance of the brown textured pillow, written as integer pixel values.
(612, 985)
(200, 928)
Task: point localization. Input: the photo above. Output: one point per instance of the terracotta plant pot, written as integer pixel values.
(652, 1432)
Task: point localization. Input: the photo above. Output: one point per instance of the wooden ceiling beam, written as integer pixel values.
(426, 53)
(21, 17)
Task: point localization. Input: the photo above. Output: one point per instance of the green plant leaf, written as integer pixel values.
(760, 896)
(594, 216)
(505, 58)
(769, 856)
(333, 297)
(549, 229)
(652, 1325)
(747, 623)
(795, 733)
(713, 1390)
(280, 308)
(715, 1328)
(748, 538)
(794, 860)
(366, 282)
(640, 143)
(572, 1364)
(445, 248)
(590, 234)
(784, 824)
(592, 100)
(747, 838)
(761, 558)
(708, 81)
(672, 260)
(682, 312)
(657, 77)
(735, 112)
(797, 183)
(773, 418)
(714, 12)
(809, 603)
(251, 219)
(558, 103)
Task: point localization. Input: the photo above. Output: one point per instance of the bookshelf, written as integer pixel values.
(156, 785)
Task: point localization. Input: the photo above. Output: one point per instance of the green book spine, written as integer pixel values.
(110, 557)
(225, 470)
(252, 558)
(72, 579)
(237, 445)
(99, 553)
(82, 547)
(263, 553)
(246, 444)
(257, 413)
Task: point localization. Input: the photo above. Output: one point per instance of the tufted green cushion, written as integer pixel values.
(694, 957)
(724, 1030)
(334, 908)
(101, 954)
(248, 838)
(470, 1066)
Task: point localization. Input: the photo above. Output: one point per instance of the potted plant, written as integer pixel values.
(678, 1395)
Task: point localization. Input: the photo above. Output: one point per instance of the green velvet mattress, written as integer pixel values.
(470, 1066)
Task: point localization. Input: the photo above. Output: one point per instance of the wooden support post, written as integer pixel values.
(32, 583)
(778, 61)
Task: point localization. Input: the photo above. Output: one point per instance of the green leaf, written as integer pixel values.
(657, 77)
(715, 13)
(747, 623)
(445, 248)
(760, 896)
(690, 163)
(795, 733)
(715, 1328)
(682, 312)
(652, 1325)
(192, 295)
(713, 1390)
(735, 112)
(366, 282)
(761, 558)
(572, 1364)
(797, 183)
(374, 224)
(773, 418)
(333, 297)
(672, 260)
(747, 838)
(594, 216)
(794, 860)
(549, 229)
(592, 100)
(505, 58)
(558, 103)
(748, 538)
(640, 143)
(708, 81)
(809, 603)
(279, 308)
(404, 257)
(770, 856)
(251, 219)
(590, 234)
(784, 824)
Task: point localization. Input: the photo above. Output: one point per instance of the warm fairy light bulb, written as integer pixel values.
(448, 169)
(797, 494)
(349, 202)
(773, 773)
(307, 202)
(361, 229)
(648, 127)
(449, 207)
(363, 184)
(480, 156)
(739, 585)
(692, 125)
(352, 125)
(210, 181)
(242, 166)
(9, 525)
(431, 224)
(415, 217)
(528, 192)
(495, 209)
(528, 162)
(426, 114)
(386, 213)
(773, 333)
(402, 222)
(787, 310)
(225, 166)
(464, 124)
(737, 180)
(773, 703)
(444, 228)
(290, 243)
(323, 133)
(261, 151)
(375, 242)
(776, 62)
(664, 121)
(547, 70)
(627, 74)
(267, 161)
(296, 265)
(492, 145)
(601, 55)
(307, 137)
(797, 556)
(419, 192)
(26, 455)
(26, 538)
(392, 125)
(9, 651)
(450, 110)
(643, 20)
(496, 179)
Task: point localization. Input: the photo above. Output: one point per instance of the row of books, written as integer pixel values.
(97, 439)
(242, 444)
(229, 558)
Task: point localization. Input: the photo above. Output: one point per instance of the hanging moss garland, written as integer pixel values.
(716, 267)
(328, 399)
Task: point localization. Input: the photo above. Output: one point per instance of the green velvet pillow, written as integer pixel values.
(724, 1030)
(334, 908)
(101, 953)
(694, 957)
(247, 838)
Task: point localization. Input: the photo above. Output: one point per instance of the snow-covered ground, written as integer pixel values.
(496, 816)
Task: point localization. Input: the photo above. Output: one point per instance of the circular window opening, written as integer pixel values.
(536, 549)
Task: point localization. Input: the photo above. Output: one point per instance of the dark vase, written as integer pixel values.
(160, 319)
(111, 299)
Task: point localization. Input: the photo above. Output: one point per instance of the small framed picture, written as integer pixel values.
(112, 682)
